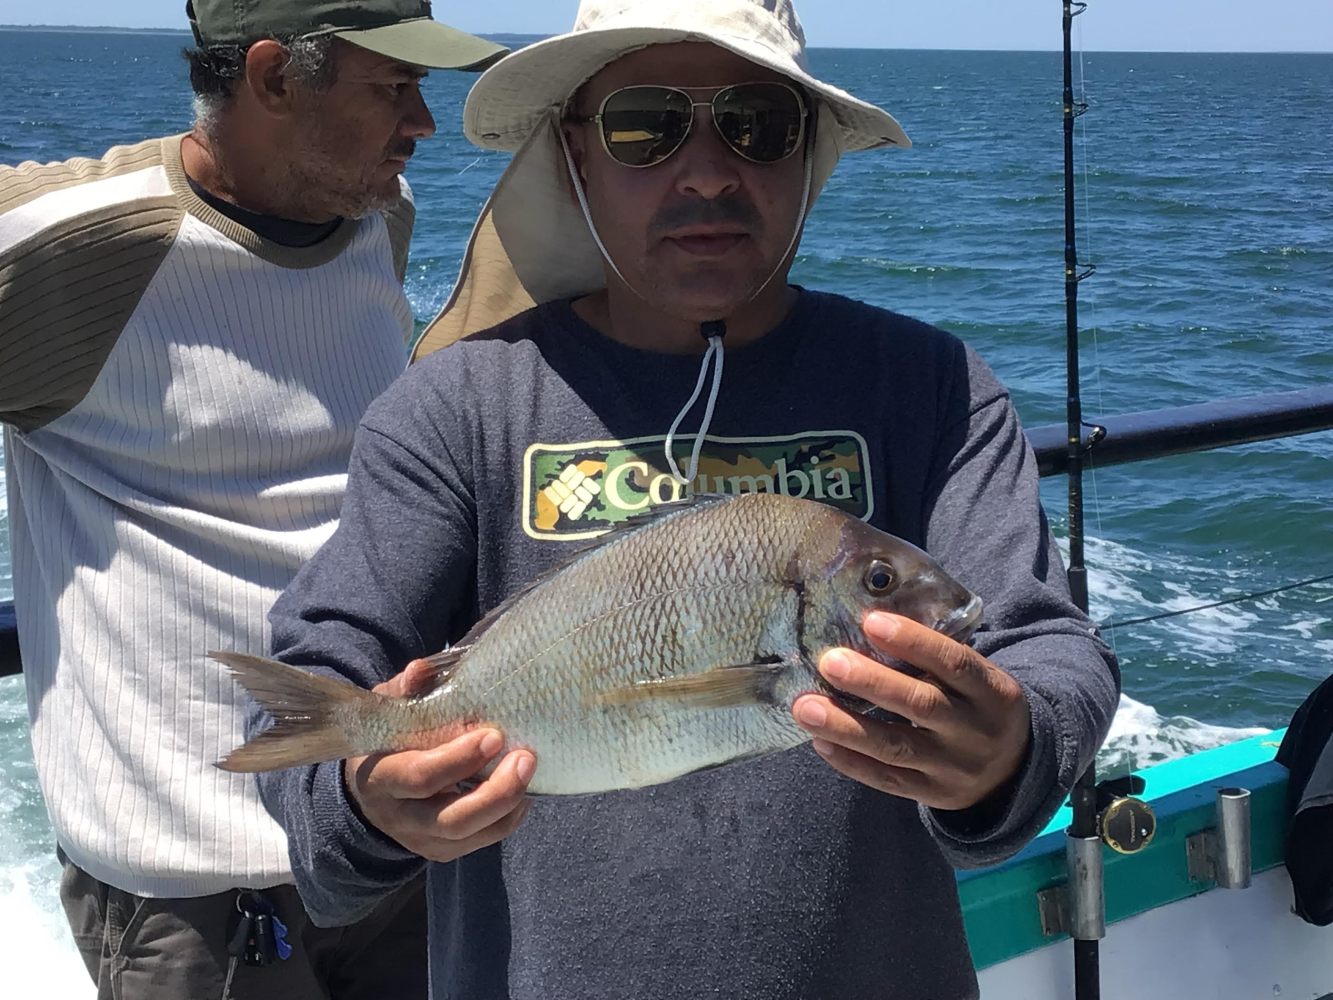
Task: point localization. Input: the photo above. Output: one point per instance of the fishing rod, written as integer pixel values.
(1083, 845)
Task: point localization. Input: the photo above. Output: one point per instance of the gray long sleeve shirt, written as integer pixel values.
(774, 878)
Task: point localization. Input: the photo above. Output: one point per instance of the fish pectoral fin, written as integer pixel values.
(725, 687)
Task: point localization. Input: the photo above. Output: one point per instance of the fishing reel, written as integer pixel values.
(1125, 823)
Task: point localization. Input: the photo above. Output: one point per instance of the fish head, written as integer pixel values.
(875, 571)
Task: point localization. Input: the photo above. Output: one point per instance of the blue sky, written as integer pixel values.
(1136, 25)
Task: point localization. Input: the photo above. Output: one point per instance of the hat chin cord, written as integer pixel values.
(712, 331)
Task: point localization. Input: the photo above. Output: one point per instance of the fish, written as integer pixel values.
(676, 644)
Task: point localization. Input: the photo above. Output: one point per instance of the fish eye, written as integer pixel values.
(879, 578)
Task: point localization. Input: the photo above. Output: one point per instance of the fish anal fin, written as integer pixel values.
(725, 687)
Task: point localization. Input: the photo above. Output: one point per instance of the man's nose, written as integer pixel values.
(706, 166)
(418, 122)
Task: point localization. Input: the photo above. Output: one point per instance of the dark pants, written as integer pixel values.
(139, 948)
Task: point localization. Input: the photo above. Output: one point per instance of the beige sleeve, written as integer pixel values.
(29, 181)
(68, 286)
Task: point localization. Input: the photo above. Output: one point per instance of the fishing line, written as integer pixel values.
(1218, 604)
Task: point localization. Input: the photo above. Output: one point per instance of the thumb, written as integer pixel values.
(414, 680)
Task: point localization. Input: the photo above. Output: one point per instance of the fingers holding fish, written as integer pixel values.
(423, 774)
(952, 664)
(873, 772)
(498, 802)
(903, 760)
(415, 797)
(458, 822)
(984, 699)
(916, 700)
(929, 785)
(444, 850)
(967, 721)
(841, 735)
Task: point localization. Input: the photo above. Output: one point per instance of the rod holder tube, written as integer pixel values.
(1087, 889)
(1232, 862)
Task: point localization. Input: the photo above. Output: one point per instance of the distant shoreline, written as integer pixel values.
(511, 39)
(81, 29)
(77, 29)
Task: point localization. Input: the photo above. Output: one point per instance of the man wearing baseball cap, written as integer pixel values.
(191, 328)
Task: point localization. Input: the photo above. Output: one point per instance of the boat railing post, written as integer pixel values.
(1232, 859)
(1087, 889)
(1222, 853)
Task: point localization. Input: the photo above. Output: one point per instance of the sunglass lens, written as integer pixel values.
(645, 125)
(761, 121)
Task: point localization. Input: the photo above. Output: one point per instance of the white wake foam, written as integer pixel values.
(34, 935)
(1140, 737)
(35, 939)
(1126, 583)
(1120, 578)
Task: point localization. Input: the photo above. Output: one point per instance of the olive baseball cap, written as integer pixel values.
(399, 29)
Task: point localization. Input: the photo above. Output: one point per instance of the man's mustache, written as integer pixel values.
(401, 150)
(726, 210)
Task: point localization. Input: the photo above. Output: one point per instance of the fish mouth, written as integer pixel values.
(960, 625)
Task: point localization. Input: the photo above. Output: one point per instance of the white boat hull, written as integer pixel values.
(1221, 945)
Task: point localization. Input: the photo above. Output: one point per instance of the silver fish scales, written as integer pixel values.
(675, 645)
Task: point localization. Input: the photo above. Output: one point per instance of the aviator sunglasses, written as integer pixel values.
(643, 125)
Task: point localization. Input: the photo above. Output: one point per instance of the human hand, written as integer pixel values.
(968, 723)
(414, 796)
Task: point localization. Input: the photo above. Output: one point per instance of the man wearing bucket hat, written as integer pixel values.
(190, 329)
(666, 155)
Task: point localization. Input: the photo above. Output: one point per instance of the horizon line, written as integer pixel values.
(112, 29)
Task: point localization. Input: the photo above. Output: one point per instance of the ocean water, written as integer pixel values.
(1204, 183)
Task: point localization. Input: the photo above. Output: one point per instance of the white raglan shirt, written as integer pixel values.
(181, 398)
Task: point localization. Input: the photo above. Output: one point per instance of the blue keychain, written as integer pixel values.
(280, 943)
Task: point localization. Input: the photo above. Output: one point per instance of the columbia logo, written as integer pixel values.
(572, 492)
(582, 489)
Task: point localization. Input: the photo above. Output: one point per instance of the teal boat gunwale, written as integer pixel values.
(1000, 903)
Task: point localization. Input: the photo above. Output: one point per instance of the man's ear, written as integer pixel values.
(266, 77)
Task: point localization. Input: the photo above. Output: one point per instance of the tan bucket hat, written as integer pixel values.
(532, 243)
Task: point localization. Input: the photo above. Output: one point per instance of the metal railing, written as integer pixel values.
(1132, 437)
(1137, 437)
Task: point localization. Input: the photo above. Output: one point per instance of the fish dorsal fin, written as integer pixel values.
(725, 687)
(629, 526)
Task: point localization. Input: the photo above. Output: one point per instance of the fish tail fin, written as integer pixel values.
(316, 718)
